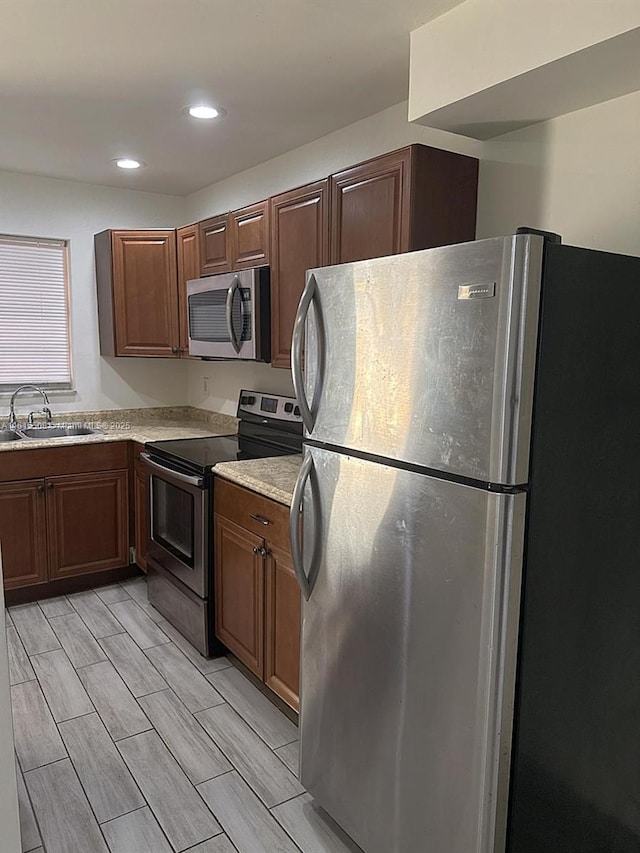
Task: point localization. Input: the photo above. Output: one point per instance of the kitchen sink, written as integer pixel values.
(57, 432)
(9, 435)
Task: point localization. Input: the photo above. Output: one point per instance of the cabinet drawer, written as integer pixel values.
(243, 506)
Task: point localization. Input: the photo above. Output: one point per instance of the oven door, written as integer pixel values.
(179, 509)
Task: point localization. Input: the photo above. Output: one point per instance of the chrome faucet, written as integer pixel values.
(12, 410)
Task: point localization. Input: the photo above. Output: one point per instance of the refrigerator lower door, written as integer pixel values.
(408, 659)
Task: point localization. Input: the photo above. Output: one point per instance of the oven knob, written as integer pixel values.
(247, 401)
(296, 411)
(288, 407)
(250, 401)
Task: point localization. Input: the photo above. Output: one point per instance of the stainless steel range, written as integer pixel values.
(180, 557)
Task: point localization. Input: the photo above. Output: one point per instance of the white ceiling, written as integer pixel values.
(84, 81)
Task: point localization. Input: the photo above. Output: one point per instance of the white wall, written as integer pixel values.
(578, 175)
(44, 207)
(370, 137)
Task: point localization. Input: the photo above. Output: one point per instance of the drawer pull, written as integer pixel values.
(260, 519)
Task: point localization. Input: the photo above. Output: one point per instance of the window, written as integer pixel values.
(34, 313)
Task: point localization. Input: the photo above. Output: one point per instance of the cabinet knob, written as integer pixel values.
(50, 486)
(175, 350)
(41, 488)
(263, 552)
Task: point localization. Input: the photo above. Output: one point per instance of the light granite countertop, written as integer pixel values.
(142, 425)
(273, 477)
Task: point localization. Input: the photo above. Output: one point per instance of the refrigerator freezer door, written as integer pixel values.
(426, 357)
(408, 661)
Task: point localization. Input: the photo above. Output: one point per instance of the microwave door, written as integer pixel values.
(221, 316)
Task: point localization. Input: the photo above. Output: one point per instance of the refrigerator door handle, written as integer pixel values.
(229, 313)
(305, 581)
(308, 412)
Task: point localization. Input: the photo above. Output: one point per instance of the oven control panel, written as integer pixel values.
(271, 406)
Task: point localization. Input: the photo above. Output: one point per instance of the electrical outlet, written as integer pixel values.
(205, 384)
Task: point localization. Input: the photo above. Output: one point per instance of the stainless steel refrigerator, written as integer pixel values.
(469, 678)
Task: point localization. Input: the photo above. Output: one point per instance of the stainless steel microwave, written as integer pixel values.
(229, 315)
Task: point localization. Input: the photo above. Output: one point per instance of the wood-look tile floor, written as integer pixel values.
(128, 741)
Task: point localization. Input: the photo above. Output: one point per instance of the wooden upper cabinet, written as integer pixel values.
(23, 533)
(137, 293)
(414, 198)
(88, 522)
(188, 255)
(299, 241)
(249, 228)
(215, 245)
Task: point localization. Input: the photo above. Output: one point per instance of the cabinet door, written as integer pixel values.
(299, 241)
(215, 245)
(370, 209)
(250, 235)
(282, 627)
(88, 526)
(141, 511)
(23, 533)
(145, 300)
(188, 253)
(239, 591)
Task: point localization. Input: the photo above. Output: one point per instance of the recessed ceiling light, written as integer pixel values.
(205, 111)
(128, 163)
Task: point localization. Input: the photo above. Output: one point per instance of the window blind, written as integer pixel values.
(34, 315)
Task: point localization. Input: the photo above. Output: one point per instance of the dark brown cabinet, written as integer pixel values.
(188, 258)
(64, 513)
(299, 241)
(88, 523)
(414, 198)
(137, 293)
(282, 626)
(239, 584)
(258, 604)
(249, 228)
(23, 534)
(215, 245)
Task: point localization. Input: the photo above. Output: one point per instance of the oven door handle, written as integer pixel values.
(169, 473)
(235, 284)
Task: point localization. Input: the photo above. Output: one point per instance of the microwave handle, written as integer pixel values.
(232, 332)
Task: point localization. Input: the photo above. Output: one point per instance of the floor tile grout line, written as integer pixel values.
(150, 807)
(239, 713)
(237, 769)
(124, 630)
(47, 701)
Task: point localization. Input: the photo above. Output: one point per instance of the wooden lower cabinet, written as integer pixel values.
(88, 523)
(282, 627)
(239, 585)
(258, 601)
(23, 533)
(64, 516)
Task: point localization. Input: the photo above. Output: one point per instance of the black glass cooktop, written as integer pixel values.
(200, 454)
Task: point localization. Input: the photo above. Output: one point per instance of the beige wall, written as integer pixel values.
(495, 40)
(578, 175)
(44, 207)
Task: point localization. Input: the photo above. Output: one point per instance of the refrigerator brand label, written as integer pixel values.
(477, 291)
